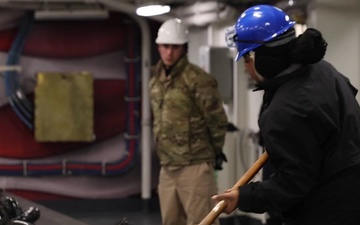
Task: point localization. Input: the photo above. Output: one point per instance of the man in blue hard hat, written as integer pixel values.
(309, 123)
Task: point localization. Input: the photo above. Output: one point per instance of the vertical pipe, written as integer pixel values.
(210, 32)
(145, 108)
(145, 102)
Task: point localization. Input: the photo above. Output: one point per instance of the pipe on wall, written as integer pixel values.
(145, 102)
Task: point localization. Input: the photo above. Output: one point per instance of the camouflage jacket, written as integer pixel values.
(189, 119)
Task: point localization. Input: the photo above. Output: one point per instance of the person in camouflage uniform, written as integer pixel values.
(189, 129)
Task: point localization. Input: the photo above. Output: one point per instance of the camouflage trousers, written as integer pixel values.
(185, 193)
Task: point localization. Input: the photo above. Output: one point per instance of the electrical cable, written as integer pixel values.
(17, 99)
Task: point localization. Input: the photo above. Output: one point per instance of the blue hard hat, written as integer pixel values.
(257, 25)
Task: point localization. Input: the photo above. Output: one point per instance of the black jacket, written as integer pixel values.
(310, 126)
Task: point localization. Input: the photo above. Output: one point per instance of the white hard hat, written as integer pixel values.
(172, 31)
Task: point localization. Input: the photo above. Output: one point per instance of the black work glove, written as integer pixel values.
(16, 214)
(231, 127)
(30, 215)
(219, 159)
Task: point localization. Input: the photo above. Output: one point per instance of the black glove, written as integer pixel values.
(12, 207)
(30, 215)
(124, 221)
(20, 222)
(16, 214)
(231, 127)
(219, 159)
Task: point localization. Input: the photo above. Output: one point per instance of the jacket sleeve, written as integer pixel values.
(210, 103)
(353, 89)
(295, 152)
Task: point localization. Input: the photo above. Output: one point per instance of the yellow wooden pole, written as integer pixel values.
(248, 175)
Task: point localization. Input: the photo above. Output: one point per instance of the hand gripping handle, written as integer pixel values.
(248, 175)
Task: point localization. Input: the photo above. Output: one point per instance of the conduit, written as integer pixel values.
(145, 101)
(24, 109)
(132, 98)
(204, 13)
(17, 99)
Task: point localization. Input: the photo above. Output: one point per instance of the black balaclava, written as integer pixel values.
(275, 56)
(272, 58)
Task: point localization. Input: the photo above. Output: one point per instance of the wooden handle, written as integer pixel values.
(248, 175)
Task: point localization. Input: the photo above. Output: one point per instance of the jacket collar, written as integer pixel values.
(294, 70)
(177, 68)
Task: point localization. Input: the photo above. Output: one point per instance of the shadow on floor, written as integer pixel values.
(109, 212)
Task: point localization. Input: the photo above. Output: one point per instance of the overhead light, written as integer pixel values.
(70, 14)
(71, 11)
(152, 9)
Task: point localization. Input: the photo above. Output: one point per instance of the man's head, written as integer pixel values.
(261, 35)
(172, 41)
